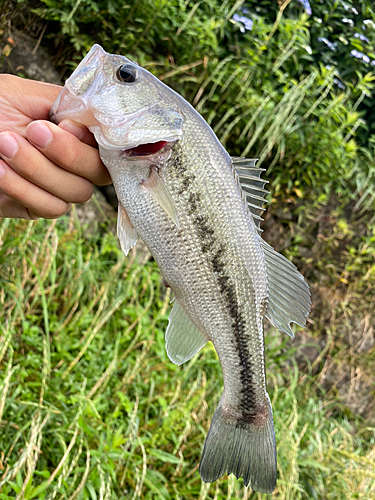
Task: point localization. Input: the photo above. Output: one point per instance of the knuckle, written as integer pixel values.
(103, 178)
(33, 171)
(87, 192)
(56, 211)
(32, 215)
(16, 191)
(71, 159)
(50, 207)
(82, 193)
(35, 203)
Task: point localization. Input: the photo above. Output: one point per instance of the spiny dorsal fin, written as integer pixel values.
(288, 293)
(252, 186)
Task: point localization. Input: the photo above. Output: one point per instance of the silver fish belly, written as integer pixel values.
(186, 203)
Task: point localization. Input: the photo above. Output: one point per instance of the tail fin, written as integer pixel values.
(247, 450)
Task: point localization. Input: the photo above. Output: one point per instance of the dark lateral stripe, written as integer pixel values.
(216, 253)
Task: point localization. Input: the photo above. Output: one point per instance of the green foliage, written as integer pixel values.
(336, 28)
(342, 35)
(256, 87)
(90, 406)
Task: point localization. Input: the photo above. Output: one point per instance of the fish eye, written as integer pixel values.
(126, 73)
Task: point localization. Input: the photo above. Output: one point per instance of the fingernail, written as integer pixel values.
(72, 127)
(39, 134)
(8, 145)
(2, 170)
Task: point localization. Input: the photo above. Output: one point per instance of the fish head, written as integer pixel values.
(124, 106)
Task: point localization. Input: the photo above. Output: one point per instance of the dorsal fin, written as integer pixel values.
(252, 186)
(289, 298)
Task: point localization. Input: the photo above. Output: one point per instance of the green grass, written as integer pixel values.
(91, 407)
(256, 89)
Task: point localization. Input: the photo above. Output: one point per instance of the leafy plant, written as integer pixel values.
(90, 406)
(255, 86)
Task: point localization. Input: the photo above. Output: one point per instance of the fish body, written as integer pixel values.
(180, 192)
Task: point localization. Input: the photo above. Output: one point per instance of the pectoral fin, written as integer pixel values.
(159, 191)
(289, 295)
(182, 338)
(125, 231)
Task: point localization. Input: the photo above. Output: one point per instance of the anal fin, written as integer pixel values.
(182, 337)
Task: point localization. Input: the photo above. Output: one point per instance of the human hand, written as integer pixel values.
(44, 167)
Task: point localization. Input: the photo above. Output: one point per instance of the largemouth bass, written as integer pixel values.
(198, 211)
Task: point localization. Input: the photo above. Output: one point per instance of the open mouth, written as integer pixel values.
(146, 149)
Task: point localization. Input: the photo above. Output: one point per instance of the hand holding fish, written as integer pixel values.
(44, 167)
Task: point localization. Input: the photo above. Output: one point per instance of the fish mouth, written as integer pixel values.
(146, 149)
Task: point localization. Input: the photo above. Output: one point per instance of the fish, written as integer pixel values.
(198, 210)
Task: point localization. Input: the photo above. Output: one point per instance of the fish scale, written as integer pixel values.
(234, 325)
(198, 211)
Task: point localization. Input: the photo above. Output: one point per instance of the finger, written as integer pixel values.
(80, 131)
(35, 98)
(37, 201)
(68, 152)
(32, 165)
(12, 209)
